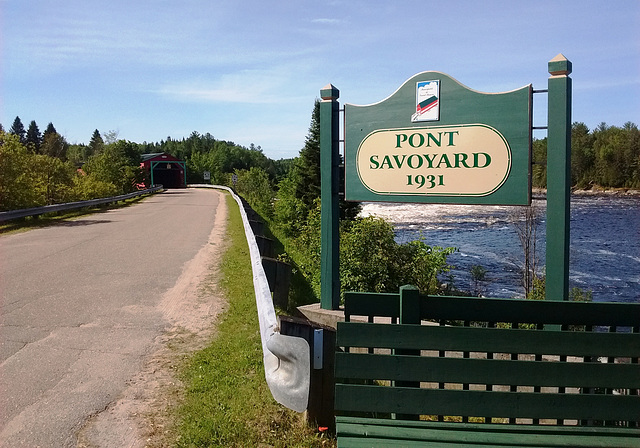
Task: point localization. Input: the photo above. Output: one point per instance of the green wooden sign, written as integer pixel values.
(437, 141)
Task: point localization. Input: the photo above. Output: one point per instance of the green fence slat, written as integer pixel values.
(487, 371)
(496, 340)
(401, 400)
(499, 310)
(378, 432)
(530, 311)
(372, 304)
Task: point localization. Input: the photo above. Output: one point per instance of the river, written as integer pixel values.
(605, 243)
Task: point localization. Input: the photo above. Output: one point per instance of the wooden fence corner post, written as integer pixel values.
(409, 305)
(409, 314)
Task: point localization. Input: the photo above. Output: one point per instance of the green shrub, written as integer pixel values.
(255, 187)
(88, 187)
(370, 258)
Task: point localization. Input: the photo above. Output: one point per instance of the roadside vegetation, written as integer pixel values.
(226, 401)
(47, 219)
(33, 176)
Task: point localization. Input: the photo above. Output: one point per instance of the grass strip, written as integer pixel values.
(227, 402)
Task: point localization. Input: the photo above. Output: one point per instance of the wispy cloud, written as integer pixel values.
(71, 43)
(200, 92)
(244, 86)
(326, 21)
(604, 83)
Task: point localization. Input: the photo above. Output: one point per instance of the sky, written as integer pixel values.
(250, 71)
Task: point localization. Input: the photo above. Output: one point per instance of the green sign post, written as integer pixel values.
(558, 179)
(435, 140)
(330, 205)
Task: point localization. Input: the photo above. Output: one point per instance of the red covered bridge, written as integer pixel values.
(164, 169)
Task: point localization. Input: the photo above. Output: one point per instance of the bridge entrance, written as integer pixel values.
(164, 169)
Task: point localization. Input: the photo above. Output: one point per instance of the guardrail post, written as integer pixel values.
(278, 275)
(329, 211)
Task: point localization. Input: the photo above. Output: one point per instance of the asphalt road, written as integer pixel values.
(79, 309)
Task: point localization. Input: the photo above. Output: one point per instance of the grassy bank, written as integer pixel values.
(227, 402)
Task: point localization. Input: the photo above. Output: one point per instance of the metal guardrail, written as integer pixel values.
(286, 358)
(35, 211)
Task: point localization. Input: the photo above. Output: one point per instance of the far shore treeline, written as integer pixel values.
(607, 157)
(43, 168)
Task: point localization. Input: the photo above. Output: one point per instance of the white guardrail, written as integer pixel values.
(35, 211)
(287, 365)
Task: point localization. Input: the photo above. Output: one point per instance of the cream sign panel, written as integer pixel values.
(469, 160)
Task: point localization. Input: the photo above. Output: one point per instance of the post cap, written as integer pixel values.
(559, 66)
(329, 92)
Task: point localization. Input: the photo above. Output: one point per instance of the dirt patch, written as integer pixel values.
(141, 417)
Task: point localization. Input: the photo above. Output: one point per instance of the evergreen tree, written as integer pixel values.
(610, 164)
(299, 191)
(18, 129)
(307, 166)
(539, 169)
(34, 137)
(630, 147)
(608, 156)
(96, 145)
(50, 130)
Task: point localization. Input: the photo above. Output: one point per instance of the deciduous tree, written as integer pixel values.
(525, 221)
(117, 165)
(16, 175)
(54, 145)
(53, 179)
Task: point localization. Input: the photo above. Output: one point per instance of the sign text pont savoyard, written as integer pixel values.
(471, 159)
